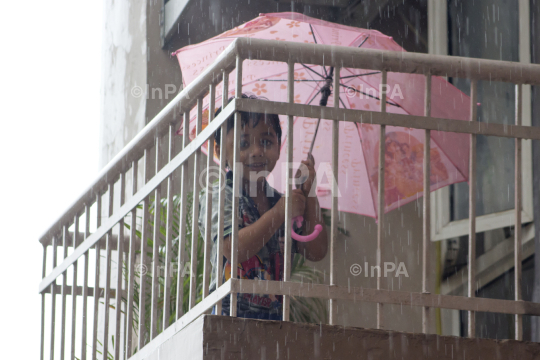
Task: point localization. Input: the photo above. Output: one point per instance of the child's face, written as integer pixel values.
(259, 150)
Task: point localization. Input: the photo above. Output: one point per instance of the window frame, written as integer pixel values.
(171, 11)
(441, 226)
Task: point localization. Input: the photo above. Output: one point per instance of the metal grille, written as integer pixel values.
(111, 234)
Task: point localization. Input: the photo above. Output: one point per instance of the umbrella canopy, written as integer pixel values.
(359, 143)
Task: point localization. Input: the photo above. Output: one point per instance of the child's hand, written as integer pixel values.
(310, 164)
(298, 203)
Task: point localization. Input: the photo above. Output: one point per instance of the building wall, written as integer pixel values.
(123, 103)
(134, 57)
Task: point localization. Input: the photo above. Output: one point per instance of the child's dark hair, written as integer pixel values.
(271, 119)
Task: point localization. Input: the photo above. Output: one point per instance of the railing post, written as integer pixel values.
(53, 296)
(43, 272)
(155, 252)
(288, 191)
(131, 265)
(108, 252)
(182, 225)
(195, 211)
(208, 229)
(517, 205)
(472, 211)
(143, 262)
(64, 294)
(74, 290)
(119, 264)
(222, 184)
(237, 176)
(85, 285)
(380, 201)
(97, 289)
(335, 191)
(426, 206)
(168, 236)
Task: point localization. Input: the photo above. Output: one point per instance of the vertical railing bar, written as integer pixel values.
(119, 260)
(222, 184)
(182, 226)
(208, 229)
(426, 205)
(131, 265)
(288, 191)
(97, 290)
(108, 251)
(237, 169)
(471, 291)
(85, 285)
(125, 305)
(53, 298)
(64, 295)
(74, 289)
(143, 261)
(195, 211)
(155, 252)
(42, 339)
(380, 200)
(168, 235)
(334, 210)
(517, 205)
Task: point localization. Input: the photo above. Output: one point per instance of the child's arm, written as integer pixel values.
(252, 238)
(316, 249)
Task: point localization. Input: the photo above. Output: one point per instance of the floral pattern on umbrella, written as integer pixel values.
(359, 89)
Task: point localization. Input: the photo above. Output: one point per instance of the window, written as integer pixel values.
(489, 30)
(172, 9)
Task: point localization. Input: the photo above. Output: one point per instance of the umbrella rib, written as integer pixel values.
(313, 98)
(367, 37)
(371, 185)
(351, 76)
(310, 69)
(313, 34)
(315, 40)
(342, 103)
(288, 80)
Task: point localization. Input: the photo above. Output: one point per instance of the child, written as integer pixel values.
(262, 214)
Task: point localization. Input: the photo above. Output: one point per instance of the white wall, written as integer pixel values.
(124, 72)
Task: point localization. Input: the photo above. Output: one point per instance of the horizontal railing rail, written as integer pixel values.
(141, 310)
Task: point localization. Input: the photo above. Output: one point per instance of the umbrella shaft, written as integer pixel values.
(314, 136)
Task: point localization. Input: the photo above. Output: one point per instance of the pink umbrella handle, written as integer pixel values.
(298, 220)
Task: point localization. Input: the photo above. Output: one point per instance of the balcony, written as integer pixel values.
(133, 198)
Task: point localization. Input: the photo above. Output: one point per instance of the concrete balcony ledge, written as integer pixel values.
(213, 337)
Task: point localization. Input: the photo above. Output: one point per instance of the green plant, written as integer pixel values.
(327, 218)
(302, 309)
(161, 265)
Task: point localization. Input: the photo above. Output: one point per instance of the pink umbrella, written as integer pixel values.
(358, 147)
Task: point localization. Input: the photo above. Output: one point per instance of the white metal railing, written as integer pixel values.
(109, 232)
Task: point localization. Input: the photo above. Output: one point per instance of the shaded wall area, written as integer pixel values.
(221, 337)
